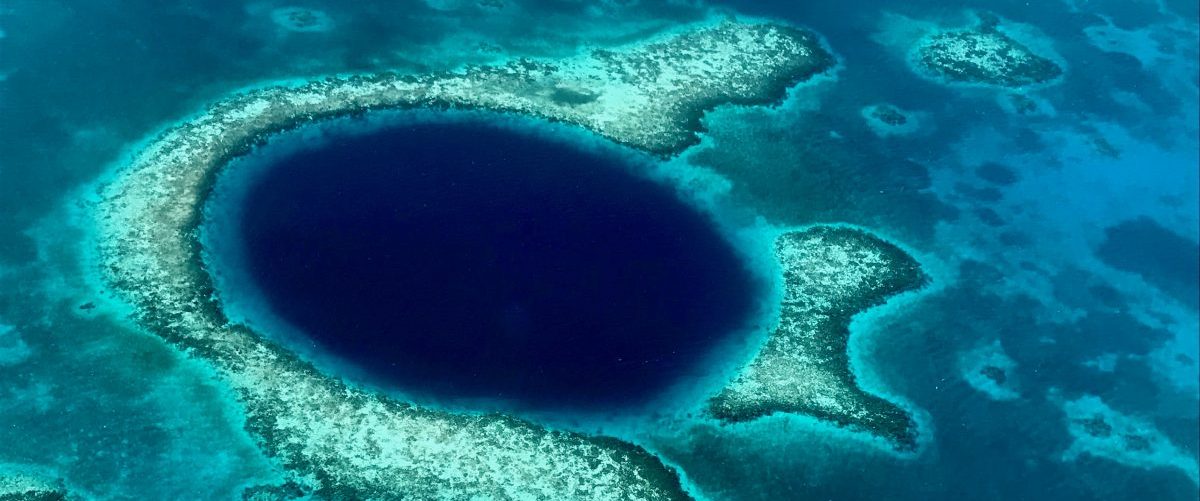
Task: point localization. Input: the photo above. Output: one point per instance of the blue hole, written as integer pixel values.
(469, 261)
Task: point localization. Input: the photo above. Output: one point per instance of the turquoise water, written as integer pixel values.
(1065, 236)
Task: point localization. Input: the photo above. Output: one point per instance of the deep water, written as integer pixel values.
(1069, 236)
(465, 260)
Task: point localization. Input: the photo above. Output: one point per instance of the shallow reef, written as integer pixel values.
(988, 369)
(830, 274)
(23, 487)
(344, 442)
(300, 19)
(1100, 431)
(983, 54)
(888, 120)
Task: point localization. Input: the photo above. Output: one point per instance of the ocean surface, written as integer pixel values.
(559, 277)
(1062, 243)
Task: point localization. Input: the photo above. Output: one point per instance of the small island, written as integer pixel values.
(830, 274)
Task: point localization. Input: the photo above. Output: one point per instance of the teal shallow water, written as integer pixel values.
(117, 414)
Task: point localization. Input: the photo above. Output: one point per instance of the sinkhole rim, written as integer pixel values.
(723, 357)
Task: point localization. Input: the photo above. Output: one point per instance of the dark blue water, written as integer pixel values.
(470, 261)
(120, 415)
(1157, 254)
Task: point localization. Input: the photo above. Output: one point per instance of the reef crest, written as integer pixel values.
(984, 54)
(830, 274)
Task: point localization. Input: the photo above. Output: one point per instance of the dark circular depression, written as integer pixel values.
(466, 260)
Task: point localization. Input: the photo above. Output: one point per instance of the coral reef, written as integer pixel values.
(1100, 431)
(989, 370)
(888, 120)
(24, 487)
(830, 274)
(349, 443)
(984, 54)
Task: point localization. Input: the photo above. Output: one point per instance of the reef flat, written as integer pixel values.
(984, 55)
(22, 487)
(830, 274)
(344, 442)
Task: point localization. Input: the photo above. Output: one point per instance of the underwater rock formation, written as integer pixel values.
(830, 274)
(354, 444)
